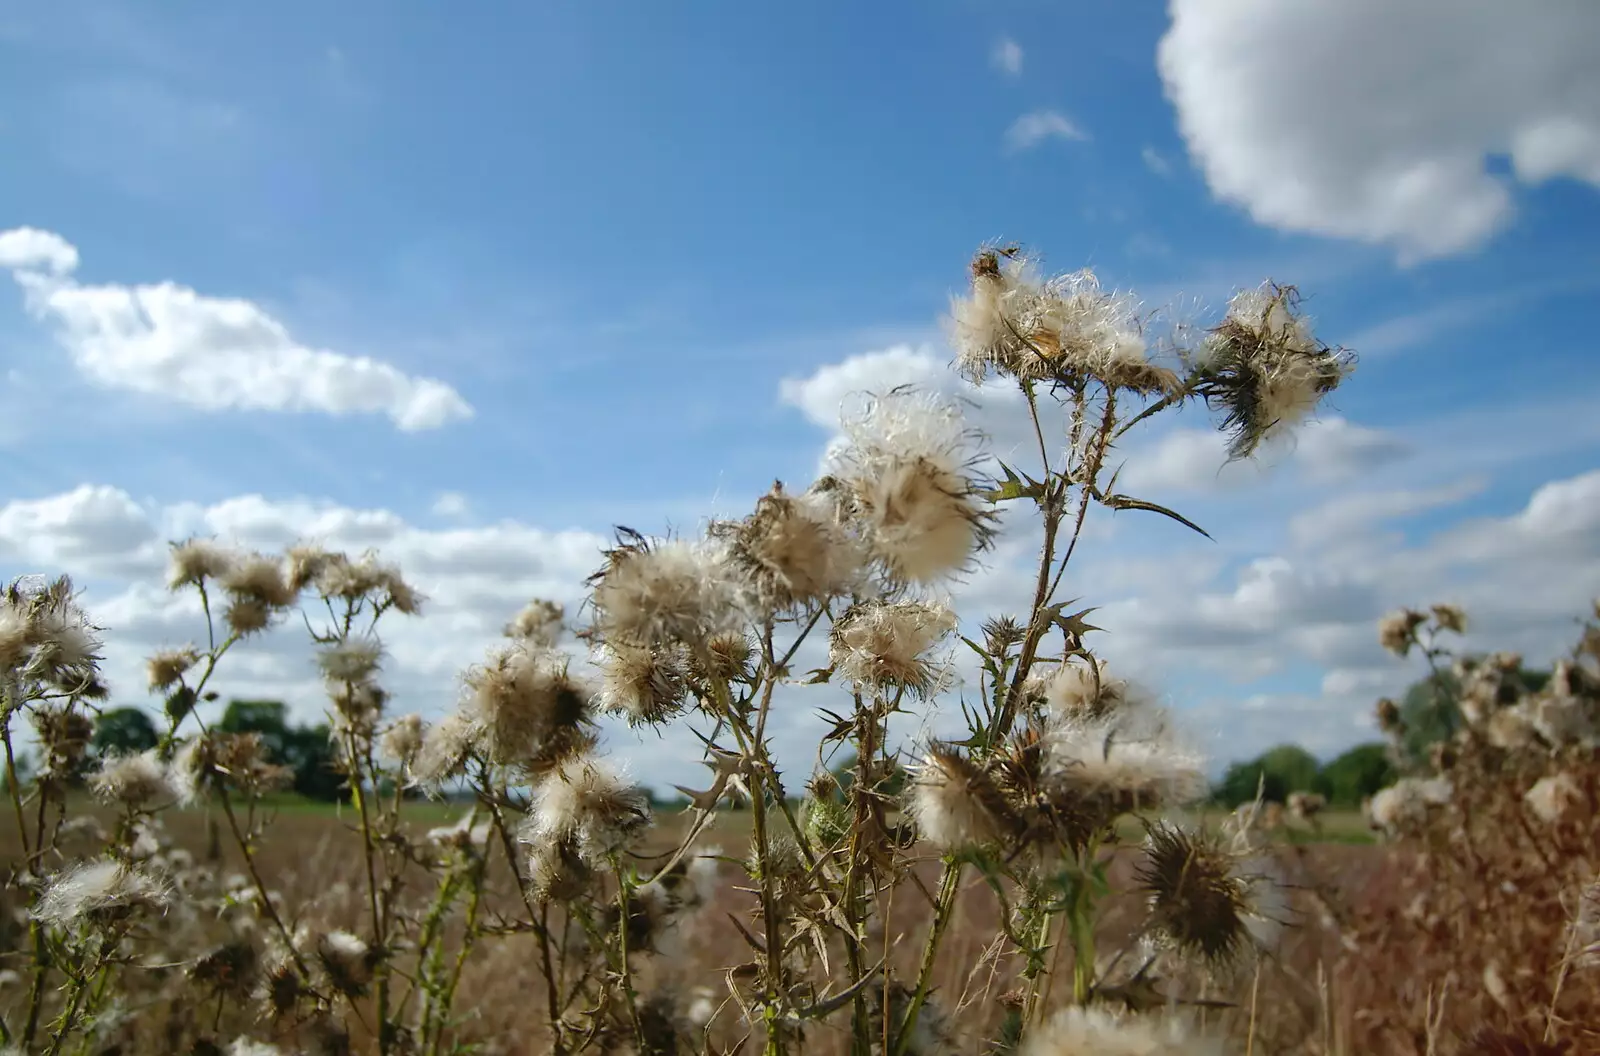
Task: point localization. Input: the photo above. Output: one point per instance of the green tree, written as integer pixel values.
(1431, 708)
(124, 730)
(1276, 772)
(1357, 774)
(306, 750)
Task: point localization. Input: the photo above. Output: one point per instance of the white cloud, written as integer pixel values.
(1196, 460)
(1007, 56)
(1348, 516)
(1374, 119)
(1030, 130)
(1155, 161)
(450, 504)
(212, 353)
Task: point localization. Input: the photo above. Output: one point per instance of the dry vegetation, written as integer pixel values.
(1035, 886)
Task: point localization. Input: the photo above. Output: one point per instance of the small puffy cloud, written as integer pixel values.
(1032, 129)
(1281, 123)
(216, 354)
(1007, 56)
(450, 504)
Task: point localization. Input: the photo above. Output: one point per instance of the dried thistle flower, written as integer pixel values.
(795, 550)
(246, 616)
(1397, 632)
(45, 636)
(908, 467)
(526, 703)
(954, 802)
(1204, 900)
(351, 660)
(346, 960)
(540, 622)
(1407, 803)
(99, 894)
(336, 576)
(403, 739)
(1264, 368)
(884, 644)
(1076, 690)
(259, 578)
(1450, 618)
(645, 685)
(1555, 798)
(1097, 1031)
(1065, 329)
(196, 560)
(167, 667)
(1130, 760)
(446, 745)
(588, 804)
(667, 592)
(133, 779)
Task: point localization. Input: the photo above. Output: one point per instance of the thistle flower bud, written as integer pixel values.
(884, 644)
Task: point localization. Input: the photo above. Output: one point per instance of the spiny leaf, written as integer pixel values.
(1127, 502)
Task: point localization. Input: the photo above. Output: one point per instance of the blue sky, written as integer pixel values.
(610, 233)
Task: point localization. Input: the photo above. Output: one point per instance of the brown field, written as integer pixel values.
(310, 857)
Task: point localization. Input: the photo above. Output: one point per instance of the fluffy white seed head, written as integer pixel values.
(540, 622)
(949, 802)
(907, 469)
(136, 780)
(668, 592)
(403, 739)
(1406, 803)
(1125, 757)
(1096, 1030)
(642, 684)
(166, 667)
(886, 644)
(523, 700)
(796, 550)
(100, 892)
(445, 748)
(354, 660)
(587, 803)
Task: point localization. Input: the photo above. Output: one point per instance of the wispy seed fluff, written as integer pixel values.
(1077, 689)
(196, 560)
(1066, 328)
(98, 893)
(135, 780)
(354, 660)
(885, 644)
(644, 685)
(795, 550)
(260, 578)
(524, 701)
(168, 666)
(445, 748)
(907, 466)
(1096, 1031)
(664, 592)
(587, 805)
(954, 803)
(403, 739)
(540, 622)
(1131, 758)
(1264, 368)
(1406, 803)
(1397, 631)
